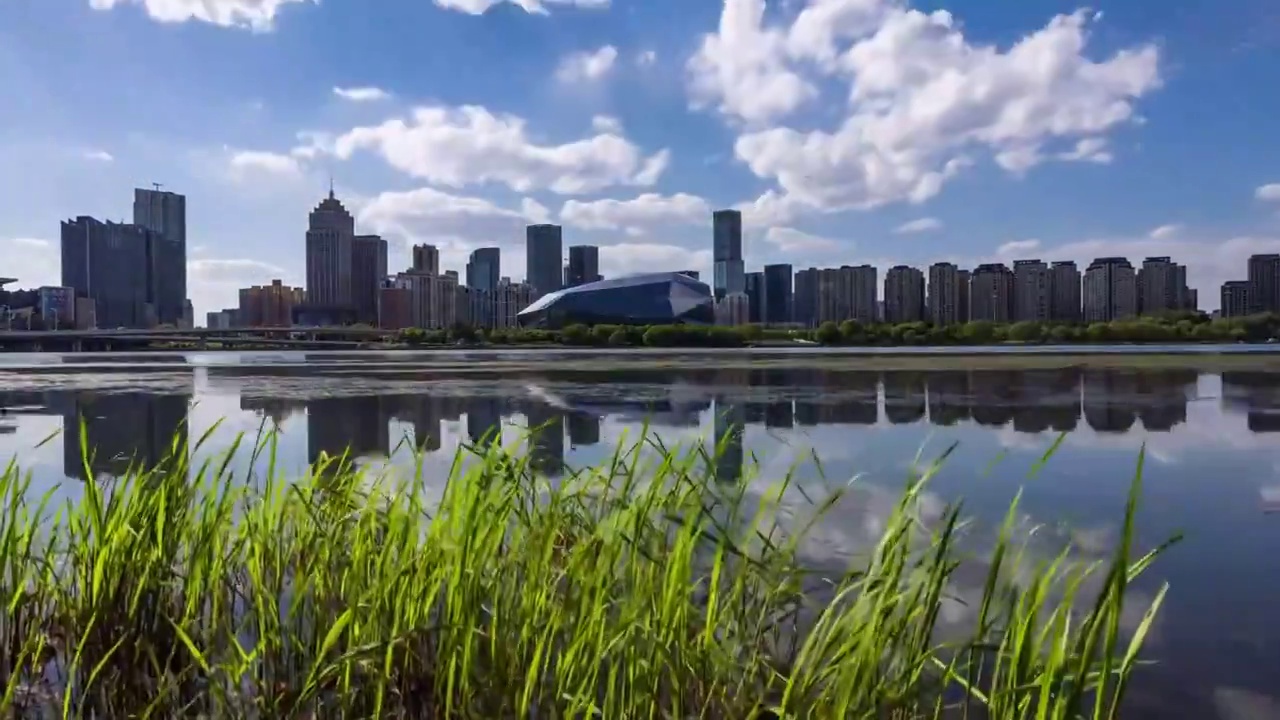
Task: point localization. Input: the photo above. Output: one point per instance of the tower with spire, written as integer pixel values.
(330, 234)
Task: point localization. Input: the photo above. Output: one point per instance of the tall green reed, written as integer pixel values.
(638, 588)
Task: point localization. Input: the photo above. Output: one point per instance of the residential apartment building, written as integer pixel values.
(269, 305)
(509, 299)
(944, 294)
(903, 294)
(991, 293)
(1162, 286)
(426, 259)
(1064, 292)
(1109, 290)
(1237, 300)
(1031, 293)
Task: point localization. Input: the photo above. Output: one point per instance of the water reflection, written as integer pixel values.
(1218, 629)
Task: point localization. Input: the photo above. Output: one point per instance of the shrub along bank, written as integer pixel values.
(636, 589)
(1168, 329)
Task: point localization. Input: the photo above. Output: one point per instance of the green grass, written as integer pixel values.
(634, 589)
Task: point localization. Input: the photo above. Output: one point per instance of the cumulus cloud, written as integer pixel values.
(637, 257)
(921, 225)
(1270, 191)
(246, 162)
(214, 283)
(606, 124)
(637, 214)
(587, 65)
(533, 7)
(469, 145)
(256, 15)
(99, 156)
(924, 101)
(361, 94)
(792, 241)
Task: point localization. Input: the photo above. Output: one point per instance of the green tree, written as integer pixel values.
(827, 333)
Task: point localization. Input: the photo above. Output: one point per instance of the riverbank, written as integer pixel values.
(638, 587)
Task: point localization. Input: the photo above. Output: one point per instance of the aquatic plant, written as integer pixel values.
(638, 588)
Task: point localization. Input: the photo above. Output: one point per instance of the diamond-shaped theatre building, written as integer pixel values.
(651, 299)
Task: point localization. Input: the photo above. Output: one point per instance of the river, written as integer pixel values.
(1210, 425)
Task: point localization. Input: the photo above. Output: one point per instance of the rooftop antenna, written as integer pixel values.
(331, 186)
(157, 186)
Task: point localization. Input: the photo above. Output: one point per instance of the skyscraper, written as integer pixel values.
(426, 258)
(368, 270)
(330, 235)
(544, 252)
(1110, 290)
(1031, 297)
(754, 284)
(584, 265)
(1064, 291)
(165, 215)
(1264, 283)
(728, 272)
(484, 269)
(1162, 286)
(106, 263)
(778, 294)
(944, 294)
(903, 294)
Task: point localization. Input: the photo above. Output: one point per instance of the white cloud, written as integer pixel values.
(244, 162)
(646, 58)
(32, 261)
(256, 15)
(98, 156)
(606, 124)
(1164, 232)
(533, 7)
(639, 257)
(470, 145)
(1017, 249)
(924, 101)
(361, 94)
(792, 241)
(587, 66)
(637, 214)
(921, 225)
(1270, 191)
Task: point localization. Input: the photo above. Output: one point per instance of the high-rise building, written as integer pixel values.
(1031, 295)
(728, 270)
(963, 281)
(1236, 301)
(484, 268)
(269, 305)
(330, 234)
(944, 294)
(805, 302)
(368, 271)
(991, 293)
(106, 263)
(1264, 283)
(754, 283)
(1064, 291)
(903, 294)
(509, 300)
(777, 308)
(395, 304)
(844, 293)
(584, 265)
(1162, 286)
(1110, 290)
(544, 263)
(426, 258)
(165, 215)
(433, 299)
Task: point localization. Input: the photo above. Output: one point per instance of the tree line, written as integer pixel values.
(1175, 327)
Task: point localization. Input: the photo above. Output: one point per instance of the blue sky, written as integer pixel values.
(849, 131)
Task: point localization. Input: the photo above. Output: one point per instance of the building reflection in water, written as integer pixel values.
(120, 430)
(546, 439)
(1257, 395)
(584, 429)
(358, 426)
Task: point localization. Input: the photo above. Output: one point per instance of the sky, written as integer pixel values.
(847, 131)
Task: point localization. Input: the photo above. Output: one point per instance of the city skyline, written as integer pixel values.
(630, 134)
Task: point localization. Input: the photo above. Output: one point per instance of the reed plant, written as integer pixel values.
(638, 588)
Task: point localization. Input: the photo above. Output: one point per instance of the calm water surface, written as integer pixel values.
(1212, 436)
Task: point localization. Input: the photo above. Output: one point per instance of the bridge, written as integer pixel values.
(124, 338)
